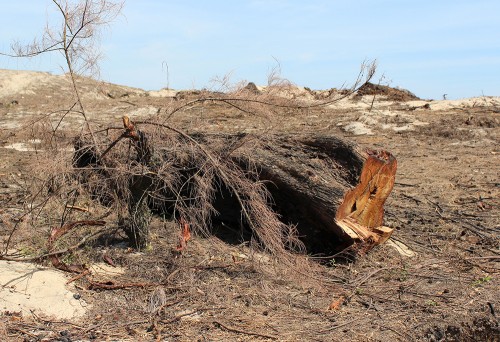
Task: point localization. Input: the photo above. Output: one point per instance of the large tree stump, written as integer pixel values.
(328, 188)
(333, 191)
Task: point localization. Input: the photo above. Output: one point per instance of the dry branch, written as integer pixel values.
(56, 233)
(245, 332)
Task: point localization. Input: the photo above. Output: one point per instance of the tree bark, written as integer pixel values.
(332, 190)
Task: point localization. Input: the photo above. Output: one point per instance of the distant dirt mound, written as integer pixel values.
(392, 94)
(41, 87)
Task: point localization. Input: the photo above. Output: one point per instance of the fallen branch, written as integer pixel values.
(78, 276)
(74, 207)
(490, 257)
(109, 285)
(187, 313)
(338, 326)
(240, 331)
(41, 257)
(56, 233)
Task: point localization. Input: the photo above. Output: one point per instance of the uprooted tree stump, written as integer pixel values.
(317, 192)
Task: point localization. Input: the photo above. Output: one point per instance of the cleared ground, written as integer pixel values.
(444, 207)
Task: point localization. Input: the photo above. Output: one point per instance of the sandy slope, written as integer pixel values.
(16, 84)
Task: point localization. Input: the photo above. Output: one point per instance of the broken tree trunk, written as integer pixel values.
(330, 190)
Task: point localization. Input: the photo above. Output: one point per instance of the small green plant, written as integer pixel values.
(27, 251)
(69, 259)
(482, 281)
(397, 274)
(403, 274)
(432, 303)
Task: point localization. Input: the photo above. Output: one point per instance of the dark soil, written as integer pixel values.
(392, 94)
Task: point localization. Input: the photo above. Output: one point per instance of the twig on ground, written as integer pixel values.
(22, 331)
(109, 285)
(95, 326)
(48, 321)
(7, 257)
(491, 257)
(492, 309)
(187, 313)
(78, 276)
(240, 331)
(338, 326)
(74, 207)
(358, 283)
(405, 335)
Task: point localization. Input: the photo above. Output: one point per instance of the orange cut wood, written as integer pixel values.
(361, 212)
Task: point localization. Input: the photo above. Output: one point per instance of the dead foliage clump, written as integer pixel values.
(180, 176)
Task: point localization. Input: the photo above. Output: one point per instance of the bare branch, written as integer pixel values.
(366, 73)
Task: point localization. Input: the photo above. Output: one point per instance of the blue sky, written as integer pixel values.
(429, 47)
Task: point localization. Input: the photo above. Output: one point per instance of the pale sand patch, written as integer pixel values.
(375, 119)
(29, 146)
(15, 83)
(357, 128)
(399, 128)
(10, 125)
(142, 112)
(401, 248)
(105, 270)
(25, 287)
(480, 101)
(163, 93)
(364, 103)
(21, 147)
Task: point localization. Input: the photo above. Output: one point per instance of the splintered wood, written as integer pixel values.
(361, 213)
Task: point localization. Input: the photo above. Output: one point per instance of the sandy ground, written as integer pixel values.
(440, 272)
(30, 289)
